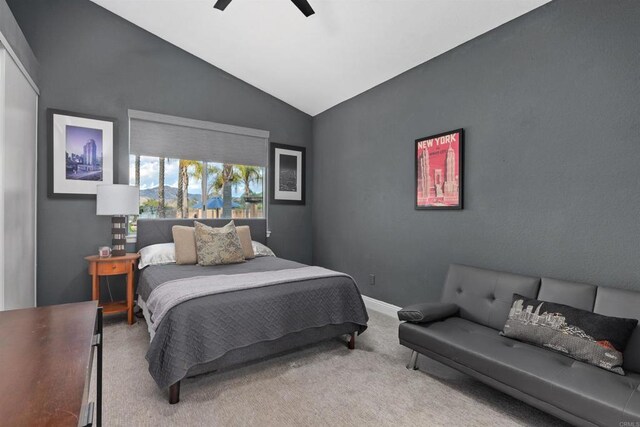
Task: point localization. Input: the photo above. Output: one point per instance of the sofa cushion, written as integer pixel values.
(427, 312)
(578, 295)
(485, 296)
(580, 389)
(581, 334)
(632, 411)
(622, 303)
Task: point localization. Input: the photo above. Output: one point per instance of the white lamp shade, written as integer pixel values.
(117, 199)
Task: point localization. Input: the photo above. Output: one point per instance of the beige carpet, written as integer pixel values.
(324, 385)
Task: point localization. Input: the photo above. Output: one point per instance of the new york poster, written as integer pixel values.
(439, 171)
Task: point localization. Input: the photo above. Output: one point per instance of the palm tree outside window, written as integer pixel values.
(179, 188)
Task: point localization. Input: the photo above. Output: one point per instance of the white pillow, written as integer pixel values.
(261, 250)
(162, 253)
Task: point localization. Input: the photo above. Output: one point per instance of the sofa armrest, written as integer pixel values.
(427, 312)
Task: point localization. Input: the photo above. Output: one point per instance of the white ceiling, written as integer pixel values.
(314, 63)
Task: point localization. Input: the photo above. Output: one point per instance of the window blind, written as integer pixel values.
(160, 135)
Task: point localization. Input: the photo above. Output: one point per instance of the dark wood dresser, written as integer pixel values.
(46, 356)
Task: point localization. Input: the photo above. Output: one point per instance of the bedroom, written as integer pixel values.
(546, 94)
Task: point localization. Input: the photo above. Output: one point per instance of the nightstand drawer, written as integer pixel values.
(109, 268)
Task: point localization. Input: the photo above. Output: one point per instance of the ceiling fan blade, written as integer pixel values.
(304, 7)
(222, 4)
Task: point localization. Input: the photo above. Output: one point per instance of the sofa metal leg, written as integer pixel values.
(174, 393)
(413, 362)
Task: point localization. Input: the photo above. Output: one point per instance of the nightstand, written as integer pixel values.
(113, 266)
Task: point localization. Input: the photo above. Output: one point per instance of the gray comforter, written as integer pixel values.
(204, 329)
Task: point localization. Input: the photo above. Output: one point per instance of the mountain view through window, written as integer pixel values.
(177, 188)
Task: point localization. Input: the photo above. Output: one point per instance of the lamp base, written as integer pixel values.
(118, 235)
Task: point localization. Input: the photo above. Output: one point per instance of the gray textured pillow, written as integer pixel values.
(217, 246)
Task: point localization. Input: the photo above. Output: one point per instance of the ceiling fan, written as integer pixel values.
(303, 5)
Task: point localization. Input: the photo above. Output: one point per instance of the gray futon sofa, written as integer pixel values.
(462, 331)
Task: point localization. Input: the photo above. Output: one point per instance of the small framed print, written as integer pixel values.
(80, 153)
(439, 171)
(287, 166)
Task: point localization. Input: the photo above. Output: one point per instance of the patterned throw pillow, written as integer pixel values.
(217, 246)
(580, 334)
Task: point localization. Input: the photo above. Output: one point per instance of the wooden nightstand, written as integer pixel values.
(112, 266)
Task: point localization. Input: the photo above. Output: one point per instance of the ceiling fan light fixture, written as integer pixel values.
(221, 4)
(302, 5)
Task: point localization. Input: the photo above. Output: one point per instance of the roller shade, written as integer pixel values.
(160, 135)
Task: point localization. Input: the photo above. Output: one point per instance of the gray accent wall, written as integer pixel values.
(94, 62)
(11, 31)
(550, 104)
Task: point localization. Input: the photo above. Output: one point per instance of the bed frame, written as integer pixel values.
(154, 231)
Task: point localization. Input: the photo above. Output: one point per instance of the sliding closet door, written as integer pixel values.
(18, 184)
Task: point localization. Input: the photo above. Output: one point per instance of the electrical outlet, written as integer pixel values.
(372, 279)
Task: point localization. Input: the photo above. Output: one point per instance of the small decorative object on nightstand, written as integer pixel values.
(118, 200)
(112, 266)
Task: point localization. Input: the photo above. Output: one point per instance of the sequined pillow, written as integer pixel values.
(217, 246)
(261, 250)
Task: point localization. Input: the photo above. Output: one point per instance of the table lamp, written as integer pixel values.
(118, 200)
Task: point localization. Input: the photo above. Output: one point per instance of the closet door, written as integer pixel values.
(18, 184)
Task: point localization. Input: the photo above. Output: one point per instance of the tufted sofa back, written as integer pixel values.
(485, 296)
(578, 295)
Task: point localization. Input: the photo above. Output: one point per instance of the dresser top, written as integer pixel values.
(46, 359)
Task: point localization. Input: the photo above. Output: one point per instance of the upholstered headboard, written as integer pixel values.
(153, 231)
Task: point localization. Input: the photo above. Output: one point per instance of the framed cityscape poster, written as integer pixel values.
(80, 153)
(439, 171)
(287, 166)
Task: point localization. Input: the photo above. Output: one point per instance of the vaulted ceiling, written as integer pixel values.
(346, 48)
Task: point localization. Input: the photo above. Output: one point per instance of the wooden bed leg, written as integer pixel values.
(174, 393)
(352, 341)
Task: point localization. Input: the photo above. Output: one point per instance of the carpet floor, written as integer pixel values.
(323, 384)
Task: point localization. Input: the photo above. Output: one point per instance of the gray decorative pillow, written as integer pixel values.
(261, 250)
(217, 246)
(580, 334)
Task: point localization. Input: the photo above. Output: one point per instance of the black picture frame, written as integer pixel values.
(461, 162)
(273, 194)
(51, 151)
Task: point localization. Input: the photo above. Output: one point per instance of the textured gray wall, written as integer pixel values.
(11, 31)
(550, 104)
(97, 63)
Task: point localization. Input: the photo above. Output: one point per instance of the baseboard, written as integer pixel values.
(380, 306)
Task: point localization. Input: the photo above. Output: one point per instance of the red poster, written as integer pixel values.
(439, 171)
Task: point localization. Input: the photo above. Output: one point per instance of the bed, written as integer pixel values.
(210, 332)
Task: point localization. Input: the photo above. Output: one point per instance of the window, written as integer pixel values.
(226, 179)
(174, 188)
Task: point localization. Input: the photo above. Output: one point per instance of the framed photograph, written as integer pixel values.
(439, 171)
(80, 153)
(287, 166)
